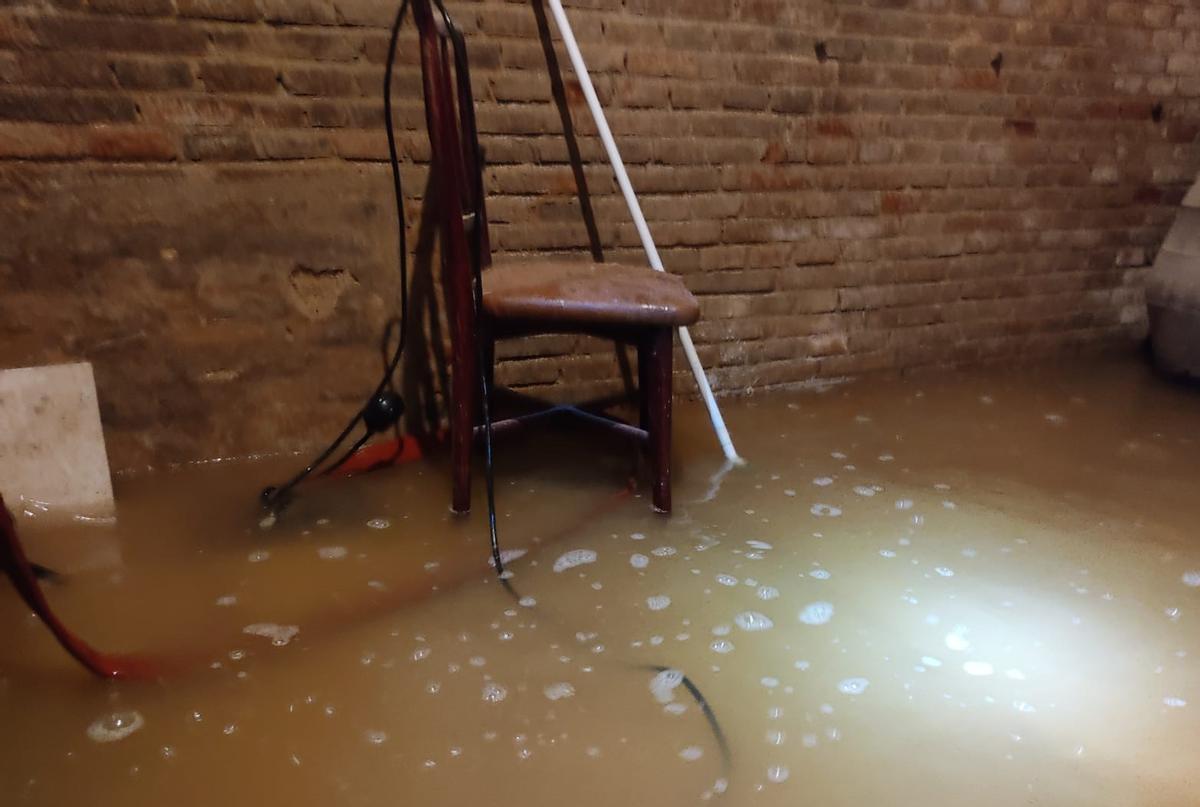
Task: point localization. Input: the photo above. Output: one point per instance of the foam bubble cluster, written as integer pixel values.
(573, 558)
(115, 726)
(663, 685)
(658, 602)
(817, 613)
(559, 690)
(278, 634)
(753, 621)
(493, 692)
(853, 686)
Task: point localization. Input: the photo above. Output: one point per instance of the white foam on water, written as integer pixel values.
(853, 686)
(664, 684)
(1191, 578)
(639, 561)
(767, 592)
(507, 556)
(658, 602)
(820, 574)
(817, 613)
(1015, 674)
(258, 556)
(332, 552)
(675, 708)
(115, 726)
(823, 481)
(727, 580)
(1055, 418)
(1173, 702)
(789, 492)
(887, 553)
(825, 510)
(758, 545)
(945, 571)
(978, 668)
(573, 558)
(379, 523)
(863, 490)
(886, 457)
(375, 737)
(663, 551)
(930, 661)
(777, 774)
(493, 692)
(957, 639)
(769, 681)
(637, 536)
(722, 646)
(802, 665)
(691, 753)
(278, 634)
(1024, 707)
(949, 505)
(904, 504)
(559, 690)
(527, 601)
(752, 621)
(227, 600)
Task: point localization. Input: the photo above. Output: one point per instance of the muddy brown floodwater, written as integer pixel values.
(975, 588)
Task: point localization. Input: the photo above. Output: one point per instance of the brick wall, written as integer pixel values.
(194, 194)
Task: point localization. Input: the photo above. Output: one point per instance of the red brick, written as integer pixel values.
(140, 74)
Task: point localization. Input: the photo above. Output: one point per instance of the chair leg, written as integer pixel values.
(654, 371)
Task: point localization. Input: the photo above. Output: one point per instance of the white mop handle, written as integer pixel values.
(639, 220)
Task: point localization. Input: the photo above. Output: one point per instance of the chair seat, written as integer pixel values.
(586, 293)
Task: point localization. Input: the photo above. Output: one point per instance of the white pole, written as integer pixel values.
(639, 220)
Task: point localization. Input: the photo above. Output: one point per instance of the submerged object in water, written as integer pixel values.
(24, 577)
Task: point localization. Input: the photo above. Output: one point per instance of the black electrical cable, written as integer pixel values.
(384, 406)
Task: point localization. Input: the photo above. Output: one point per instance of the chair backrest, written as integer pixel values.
(453, 137)
(458, 190)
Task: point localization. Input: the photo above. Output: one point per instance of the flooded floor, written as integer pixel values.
(973, 588)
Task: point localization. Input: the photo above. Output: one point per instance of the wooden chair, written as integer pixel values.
(629, 304)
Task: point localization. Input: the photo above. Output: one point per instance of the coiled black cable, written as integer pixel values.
(384, 407)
